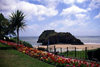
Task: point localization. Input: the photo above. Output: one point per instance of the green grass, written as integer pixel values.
(79, 54)
(13, 58)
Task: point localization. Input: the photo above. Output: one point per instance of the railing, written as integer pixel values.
(70, 52)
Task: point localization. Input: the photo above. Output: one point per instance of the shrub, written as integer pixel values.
(21, 42)
(26, 44)
(94, 54)
(43, 49)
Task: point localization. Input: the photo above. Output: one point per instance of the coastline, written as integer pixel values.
(72, 47)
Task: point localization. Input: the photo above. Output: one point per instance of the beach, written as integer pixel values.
(92, 42)
(72, 47)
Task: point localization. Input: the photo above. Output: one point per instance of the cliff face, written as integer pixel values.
(58, 38)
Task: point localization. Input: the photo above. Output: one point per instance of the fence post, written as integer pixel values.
(85, 52)
(47, 48)
(38, 46)
(54, 49)
(61, 50)
(67, 51)
(75, 51)
(50, 49)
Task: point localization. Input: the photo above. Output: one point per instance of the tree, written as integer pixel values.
(5, 27)
(17, 19)
(4, 24)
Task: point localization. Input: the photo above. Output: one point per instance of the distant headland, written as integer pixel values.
(52, 37)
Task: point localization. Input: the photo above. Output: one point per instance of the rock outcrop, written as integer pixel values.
(58, 38)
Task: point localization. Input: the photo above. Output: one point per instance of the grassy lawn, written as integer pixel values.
(79, 54)
(13, 58)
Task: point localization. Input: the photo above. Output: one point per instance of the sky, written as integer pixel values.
(79, 17)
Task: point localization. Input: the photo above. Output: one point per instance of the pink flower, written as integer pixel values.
(67, 65)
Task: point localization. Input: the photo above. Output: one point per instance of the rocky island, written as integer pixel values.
(52, 37)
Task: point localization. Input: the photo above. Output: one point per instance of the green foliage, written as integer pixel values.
(55, 38)
(4, 45)
(91, 54)
(5, 27)
(94, 54)
(17, 20)
(26, 43)
(21, 42)
(43, 49)
(79, 54)
(43, 37)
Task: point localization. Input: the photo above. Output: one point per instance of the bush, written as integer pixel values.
(43, 49)
(21, 42)
(94, 54)
(26, 44)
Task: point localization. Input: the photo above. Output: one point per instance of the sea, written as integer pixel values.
(85, 39)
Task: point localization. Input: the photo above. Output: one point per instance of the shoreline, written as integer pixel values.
(92, 43)
(72, 47)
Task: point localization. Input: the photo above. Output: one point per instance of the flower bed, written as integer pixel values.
(47, 57)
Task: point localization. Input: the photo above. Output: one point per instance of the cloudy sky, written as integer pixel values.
(80, 17)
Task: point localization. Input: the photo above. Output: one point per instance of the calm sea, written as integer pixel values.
(84, 39)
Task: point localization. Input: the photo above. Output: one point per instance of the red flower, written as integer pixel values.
(97, 65)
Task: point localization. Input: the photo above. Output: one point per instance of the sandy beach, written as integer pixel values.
(78, 47)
